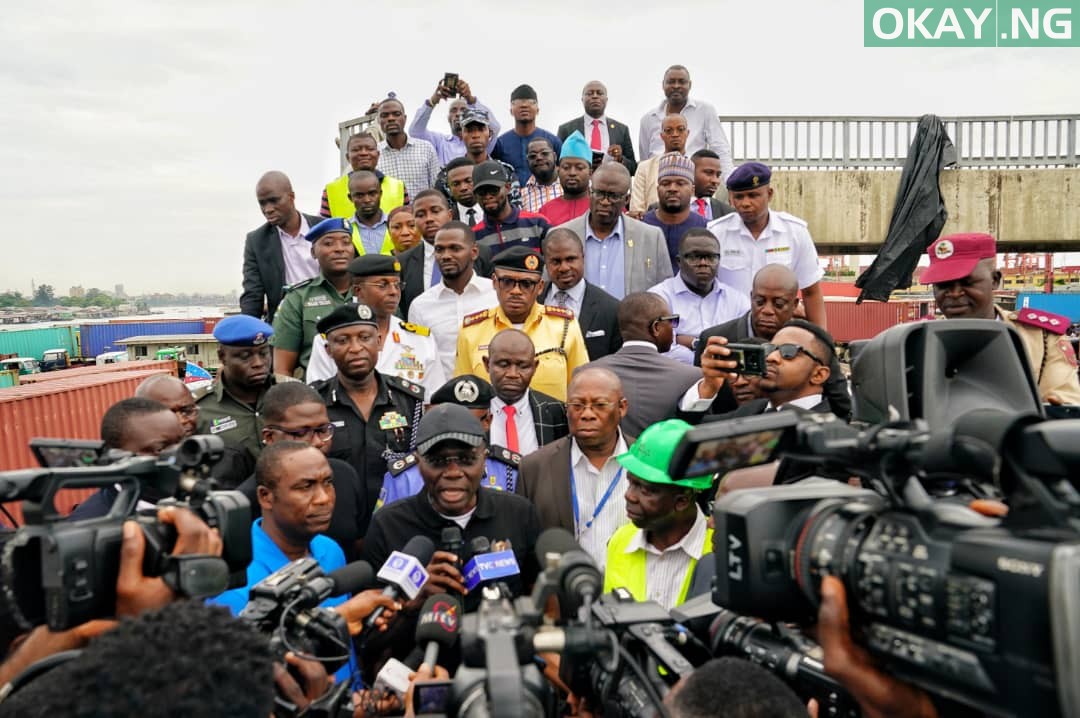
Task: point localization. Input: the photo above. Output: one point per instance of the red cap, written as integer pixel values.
(954, 256)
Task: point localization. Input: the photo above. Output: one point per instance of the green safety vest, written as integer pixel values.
(627, 570)
(337, 196)
(387, 245)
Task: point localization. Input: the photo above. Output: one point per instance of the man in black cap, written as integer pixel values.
(374, 415)
(512, 145)
(500, 467)
(504, 226)
(476, 129)
(451, 447)
(407, 350)
(560, 347)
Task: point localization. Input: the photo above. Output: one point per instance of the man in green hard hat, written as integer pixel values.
(654, 556)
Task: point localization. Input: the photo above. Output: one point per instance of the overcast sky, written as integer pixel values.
(132, 133)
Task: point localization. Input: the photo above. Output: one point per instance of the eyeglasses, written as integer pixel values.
(386, 285)
(790, 351)
(187, 411)
(508, 283)
(610, 197)
(442, 462)
(576, 407)
(323, 433)
(703, 257)
(673, 318)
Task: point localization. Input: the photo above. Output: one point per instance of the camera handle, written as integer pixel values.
(504, 685)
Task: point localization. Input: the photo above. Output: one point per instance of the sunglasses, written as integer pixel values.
(673, 318)
(508, 283)
(790, 351)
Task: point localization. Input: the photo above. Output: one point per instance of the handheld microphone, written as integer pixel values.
(578, 577)
(404, 572)
(349, 579)
(487, 566)
(438, 626)
(453, 542)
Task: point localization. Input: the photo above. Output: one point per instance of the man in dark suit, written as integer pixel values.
(522, 419)
(276, 254)
(708, 178)
(575, 482)
(419, 270)
(603, 133)
(595, 309)
(774, 296)
(652, 383)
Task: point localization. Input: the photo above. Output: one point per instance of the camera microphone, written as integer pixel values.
(578, 576)
(404, 572)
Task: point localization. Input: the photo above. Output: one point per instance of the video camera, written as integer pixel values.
(978, 610)
(63, 573)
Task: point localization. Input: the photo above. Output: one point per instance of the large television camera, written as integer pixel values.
(983, 611)
(63, 573)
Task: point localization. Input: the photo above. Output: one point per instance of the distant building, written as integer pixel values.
(198, 348)
(118, 291)
(77, 292)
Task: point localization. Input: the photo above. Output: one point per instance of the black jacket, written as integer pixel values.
(599, 325)
(618, 134)
(549, 417)
(264, 270)
(412, 273)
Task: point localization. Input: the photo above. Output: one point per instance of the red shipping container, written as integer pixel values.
(168, 365)
(67, 409)
(209, 323)
(849, 321)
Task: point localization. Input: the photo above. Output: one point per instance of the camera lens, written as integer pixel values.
(829, 542)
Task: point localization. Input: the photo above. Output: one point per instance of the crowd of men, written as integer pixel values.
(506, 333)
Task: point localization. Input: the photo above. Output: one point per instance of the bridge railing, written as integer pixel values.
(825, 142)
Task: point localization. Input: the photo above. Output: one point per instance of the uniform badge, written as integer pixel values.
(223, 423)
(467, 391)
(408, 364)
(363, 311)
(755, 181)
(944, 249)
(259, 339)
(392, 420)
(320, 300)
(532, 262)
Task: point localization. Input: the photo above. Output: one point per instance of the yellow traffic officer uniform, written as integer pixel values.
(1050, 352)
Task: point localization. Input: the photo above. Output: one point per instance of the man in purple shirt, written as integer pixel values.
(675, 189)
(451, 146)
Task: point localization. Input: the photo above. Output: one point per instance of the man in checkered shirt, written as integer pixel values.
(411, 160)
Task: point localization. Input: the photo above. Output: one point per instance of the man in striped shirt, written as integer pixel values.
(504, 226)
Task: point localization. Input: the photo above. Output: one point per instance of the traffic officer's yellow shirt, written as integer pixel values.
(555, 333)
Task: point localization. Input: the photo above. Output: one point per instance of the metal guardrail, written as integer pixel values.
(348, 128)
(824, 142)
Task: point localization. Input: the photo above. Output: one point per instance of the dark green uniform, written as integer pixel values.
(236, 422)
(305, 303)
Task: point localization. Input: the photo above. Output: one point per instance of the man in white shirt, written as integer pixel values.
(701, 117)
(461, 291)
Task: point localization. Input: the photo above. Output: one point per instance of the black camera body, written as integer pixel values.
(63, 573)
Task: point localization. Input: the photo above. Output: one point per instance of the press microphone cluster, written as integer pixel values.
(404, 573)
(486, 567)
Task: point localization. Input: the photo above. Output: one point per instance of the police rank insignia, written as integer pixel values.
(259, 339)
(392, 420)
(532, 262)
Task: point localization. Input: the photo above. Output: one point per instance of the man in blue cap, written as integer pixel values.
(754, 235)
(232, 408)
(311, 300)
(575, 169)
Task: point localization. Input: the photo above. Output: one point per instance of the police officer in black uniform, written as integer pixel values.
(374, 415)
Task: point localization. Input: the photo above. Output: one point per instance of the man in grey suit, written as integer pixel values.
(652, 383)
(622, 255)
(276, 254)
(601, 132)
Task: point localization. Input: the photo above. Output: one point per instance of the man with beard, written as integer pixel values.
(277, 253)
(311, 300)
(460, 292)
(703, 121)
(410, 159)
(174, 394)
(370, 224)
(464, 206)
(674, 132)
(695, 295)
(543, 185)
(708, 178)
(374, 415)
(606, 136)
(504, 226)
(512, 145)
(674, 188)
(362, 152)
(452, 146)
(575, 169)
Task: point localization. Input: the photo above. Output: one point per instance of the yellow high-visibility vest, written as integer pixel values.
(628, 569)
(337, 196)
(387, 245)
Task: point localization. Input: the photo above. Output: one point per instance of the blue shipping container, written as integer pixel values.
(1066, 304)
(100, 338)
(35, 342)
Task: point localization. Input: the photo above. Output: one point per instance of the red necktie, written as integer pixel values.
(594, 142)
(511, 430)
(701, 206)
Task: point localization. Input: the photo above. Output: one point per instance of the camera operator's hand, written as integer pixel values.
(716, 367)
(135, 592)
(360, 606)
(313, 675)
(878, 694)
(423, 673)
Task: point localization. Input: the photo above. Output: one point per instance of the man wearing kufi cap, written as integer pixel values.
(408, 350)
(654, 556)
(604, 134)
(512, 145)
(575, 169)
(964, 276)
(233, 407)
(674, 189)
(403, 478)
(374, 414)
(306, 303)
(754, 235)
(518, 282)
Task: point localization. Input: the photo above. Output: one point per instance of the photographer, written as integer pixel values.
(732, 687)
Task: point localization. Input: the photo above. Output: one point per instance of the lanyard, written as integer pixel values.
(599, 506)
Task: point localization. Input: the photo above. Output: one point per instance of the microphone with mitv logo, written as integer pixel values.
(405, 572)
(437, 627)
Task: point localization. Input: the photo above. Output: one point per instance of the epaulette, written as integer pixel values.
(787, 217)
(416, 329)
(404, 385)
(304, 283)
(398, 467)
(1053, 323)
(475, 318)
(202, 392)
(556, 311)
(499, 453)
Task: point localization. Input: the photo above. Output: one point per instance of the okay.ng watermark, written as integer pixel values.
(971, 23)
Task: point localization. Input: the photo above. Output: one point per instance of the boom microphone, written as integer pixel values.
(404, 572)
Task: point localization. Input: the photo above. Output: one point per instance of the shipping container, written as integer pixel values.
(34, 343)
(1065, 303)
(66, 409)
(99, 338)
(8, 378)
(168, 365)
(849, 321)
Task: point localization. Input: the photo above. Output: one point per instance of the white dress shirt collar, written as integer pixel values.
(692, 544)
(640, 343)
(803, 402)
